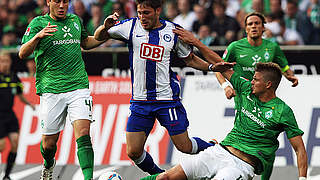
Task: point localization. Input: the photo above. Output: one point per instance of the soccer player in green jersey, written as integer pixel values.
(248, 51)
(251, 145)
(61, 81)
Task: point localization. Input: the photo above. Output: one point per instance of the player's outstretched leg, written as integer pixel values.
(145, 163)
(85, 156)
(189, 145)
(199, 145)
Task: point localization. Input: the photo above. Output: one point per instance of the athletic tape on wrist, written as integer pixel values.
(224, 85)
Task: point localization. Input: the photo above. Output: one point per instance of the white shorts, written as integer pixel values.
(54, 109)
(216, 163)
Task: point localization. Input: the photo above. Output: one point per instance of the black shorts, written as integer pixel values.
(8, 123)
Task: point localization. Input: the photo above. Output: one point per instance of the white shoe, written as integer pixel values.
(46, 174)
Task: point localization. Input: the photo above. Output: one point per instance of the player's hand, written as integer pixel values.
(47, 31)
(111, 20)
(185, 35)
(294, 80)
(222, 66)
(230, 92)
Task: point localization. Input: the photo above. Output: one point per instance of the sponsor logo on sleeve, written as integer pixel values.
(225, 54)
(27, 31)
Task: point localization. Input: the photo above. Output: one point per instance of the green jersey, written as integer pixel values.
(248, 56)
(59, 64)
(258, 124)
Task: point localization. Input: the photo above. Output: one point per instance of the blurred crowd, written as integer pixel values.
(215, 22)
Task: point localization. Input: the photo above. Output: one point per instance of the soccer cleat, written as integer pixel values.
(46, 174)
(6, 178)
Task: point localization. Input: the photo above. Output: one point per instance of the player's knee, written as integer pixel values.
(14, 146)
(48, 143)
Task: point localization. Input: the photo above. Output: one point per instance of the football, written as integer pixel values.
(110, 175)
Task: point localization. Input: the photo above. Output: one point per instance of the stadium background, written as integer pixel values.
(209, 112)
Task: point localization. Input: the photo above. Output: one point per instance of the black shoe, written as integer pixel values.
(6, 178)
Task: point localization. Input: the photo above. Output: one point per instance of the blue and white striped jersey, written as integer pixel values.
(150, 53)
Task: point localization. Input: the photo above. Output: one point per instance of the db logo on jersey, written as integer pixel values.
(151, 52)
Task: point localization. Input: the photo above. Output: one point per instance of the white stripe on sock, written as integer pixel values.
(194, 146)
(141, 158)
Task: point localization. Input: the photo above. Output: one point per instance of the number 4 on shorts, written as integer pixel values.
(88, 103)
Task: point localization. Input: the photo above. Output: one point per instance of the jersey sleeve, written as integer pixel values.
(289, 122)
(281, 59)
(121, 30)
(228, 54)
(33, 28)
(239, 83)
(182, 49)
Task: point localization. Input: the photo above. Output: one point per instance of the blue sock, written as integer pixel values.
(199, 145)
(145, 163)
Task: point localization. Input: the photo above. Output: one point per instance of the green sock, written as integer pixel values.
(48, 155)
(85, 156)
(152, 177)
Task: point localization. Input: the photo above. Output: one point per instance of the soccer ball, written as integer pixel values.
(110, 175)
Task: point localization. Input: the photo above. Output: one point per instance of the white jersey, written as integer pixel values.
(150, 54)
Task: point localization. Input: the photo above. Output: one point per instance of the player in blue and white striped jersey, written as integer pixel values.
(155, 87)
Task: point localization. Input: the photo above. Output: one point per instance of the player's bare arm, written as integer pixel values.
(198, 63)
(228, 90)
(302, 159)
(291, 77)
(90, 42)
(28, 48)
(101, 34)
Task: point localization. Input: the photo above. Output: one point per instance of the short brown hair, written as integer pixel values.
(261, 16)
(271, 72)
(151, 3)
